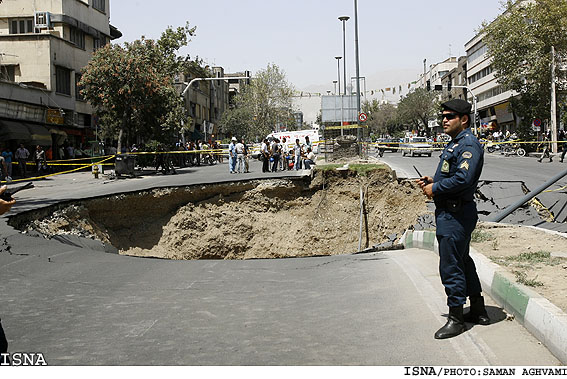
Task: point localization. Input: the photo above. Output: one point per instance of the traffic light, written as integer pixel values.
(429, 85)
(449, 85)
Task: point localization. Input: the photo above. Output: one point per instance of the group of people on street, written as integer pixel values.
(282, 157)
(197, 156)
(21, 158)
(238, 156)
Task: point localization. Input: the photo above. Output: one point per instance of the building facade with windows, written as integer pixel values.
(205, 102)
(493, 99)
(44, 45)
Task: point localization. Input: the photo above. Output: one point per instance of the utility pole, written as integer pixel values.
(424, 72)
(553, 104)
(357, 75)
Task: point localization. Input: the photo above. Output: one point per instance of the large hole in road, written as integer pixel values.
(241, 220)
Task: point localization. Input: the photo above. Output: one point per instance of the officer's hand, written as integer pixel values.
(5, 206)
(428, 190)
(423, 181)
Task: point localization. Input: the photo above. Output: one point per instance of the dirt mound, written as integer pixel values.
(273, 221)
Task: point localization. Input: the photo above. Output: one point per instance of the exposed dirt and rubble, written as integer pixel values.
(257, 219)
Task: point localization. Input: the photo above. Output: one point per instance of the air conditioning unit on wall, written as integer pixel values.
(42, 20)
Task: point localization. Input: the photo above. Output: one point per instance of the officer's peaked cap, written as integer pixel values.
(457, 105)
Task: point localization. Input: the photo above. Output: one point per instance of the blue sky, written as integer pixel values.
(304, 36)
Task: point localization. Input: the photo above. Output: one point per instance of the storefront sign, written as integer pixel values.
(54, 116)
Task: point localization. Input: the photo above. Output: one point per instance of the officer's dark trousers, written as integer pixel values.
(456, 267)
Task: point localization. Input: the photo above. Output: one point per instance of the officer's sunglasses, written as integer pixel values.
(448, 116)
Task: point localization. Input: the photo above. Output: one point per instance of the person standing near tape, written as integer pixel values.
(452, 189)
(22, 155)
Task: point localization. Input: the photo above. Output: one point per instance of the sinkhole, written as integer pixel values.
(271, 218)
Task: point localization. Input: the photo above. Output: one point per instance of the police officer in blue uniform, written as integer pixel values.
(452, 189)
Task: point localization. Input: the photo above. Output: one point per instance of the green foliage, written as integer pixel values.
(519, 43)
(479, 235)
(417, 108)
(262, 105)
(131, 86)
(382, 118)
(522, 278)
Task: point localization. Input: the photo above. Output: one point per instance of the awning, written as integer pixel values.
(13, 130)
(39, 135)
(57, 131)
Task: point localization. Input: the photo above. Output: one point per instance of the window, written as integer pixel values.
(21, 26)
(84, 119)
(77, 37)
(78, 88)
(8, 73)
(63, 80)
(100, 5)
(481, 74)
(42, 20)
(99, 42)
(477, 54)
(491, 93)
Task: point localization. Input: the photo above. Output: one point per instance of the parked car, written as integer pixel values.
(392, 144)
(416, 146)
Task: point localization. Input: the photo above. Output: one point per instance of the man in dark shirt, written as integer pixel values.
(452, 188)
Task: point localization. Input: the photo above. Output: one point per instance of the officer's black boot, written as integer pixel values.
(477, 313)
(455, 324)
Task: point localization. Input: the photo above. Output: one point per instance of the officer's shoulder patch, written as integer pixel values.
(465, 165)
(467, 155)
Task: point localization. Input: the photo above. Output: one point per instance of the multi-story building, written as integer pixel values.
(236, 85)
(493, 99)
(432, 77)
(205, 101)
(44, 45)
(455, 79)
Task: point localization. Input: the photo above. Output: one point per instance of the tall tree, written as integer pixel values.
(382, 118)
(519, 43)
(261, 106)
(132, 86)
(418, 107)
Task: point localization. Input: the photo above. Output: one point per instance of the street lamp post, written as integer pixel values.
(344, 19)
(335, 83)
(357, 72)
(339, 80)
(339, 71)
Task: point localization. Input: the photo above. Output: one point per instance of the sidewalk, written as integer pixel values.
(540, 317)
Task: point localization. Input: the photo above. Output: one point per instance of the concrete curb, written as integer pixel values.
(538, 315)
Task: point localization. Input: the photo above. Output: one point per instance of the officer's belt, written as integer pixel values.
(452, 205)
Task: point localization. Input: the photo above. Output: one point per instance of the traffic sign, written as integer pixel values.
(362, 117)
(537, 122)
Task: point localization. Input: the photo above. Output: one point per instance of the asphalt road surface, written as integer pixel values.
(505, 177)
